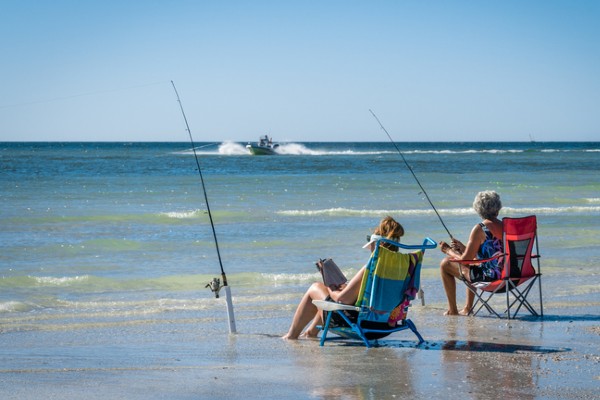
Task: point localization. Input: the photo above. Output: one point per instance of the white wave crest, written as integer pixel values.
(340, 211)
(551, 210)
(182, 214)
(62, 281)
(488, 151)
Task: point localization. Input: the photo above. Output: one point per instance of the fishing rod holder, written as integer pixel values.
(215, 286)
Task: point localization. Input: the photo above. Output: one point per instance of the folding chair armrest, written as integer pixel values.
(479, 261)
(333, 306)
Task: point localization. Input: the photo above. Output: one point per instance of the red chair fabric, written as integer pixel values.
(521, 270)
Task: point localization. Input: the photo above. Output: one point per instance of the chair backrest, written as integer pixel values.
(519, 236)
(390, 278)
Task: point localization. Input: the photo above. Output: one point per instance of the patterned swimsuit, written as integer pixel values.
(491, 270)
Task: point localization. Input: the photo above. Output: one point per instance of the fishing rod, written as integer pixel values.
(412, 172)
(214, 285)
(206, 145)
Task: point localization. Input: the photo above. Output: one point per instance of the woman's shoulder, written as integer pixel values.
(494, 227)
(478, 232)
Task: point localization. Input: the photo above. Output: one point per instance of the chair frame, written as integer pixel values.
(507, 283)
(354, 329)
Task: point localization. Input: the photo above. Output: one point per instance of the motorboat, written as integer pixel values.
(264, 147)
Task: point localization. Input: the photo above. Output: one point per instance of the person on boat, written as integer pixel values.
(307, 313)
(484, 242)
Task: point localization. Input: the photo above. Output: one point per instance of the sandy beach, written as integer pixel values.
(463, 357)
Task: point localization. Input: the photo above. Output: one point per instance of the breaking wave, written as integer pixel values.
(340, 211)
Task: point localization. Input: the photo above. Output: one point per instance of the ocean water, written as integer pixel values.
(106, 236)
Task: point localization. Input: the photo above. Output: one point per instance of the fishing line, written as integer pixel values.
(214, 285)
(412, 172)
(79, 95)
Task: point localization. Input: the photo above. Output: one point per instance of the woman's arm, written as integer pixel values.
(470, 252)
(349, 293)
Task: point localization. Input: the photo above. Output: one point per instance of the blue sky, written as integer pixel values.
(300, 70)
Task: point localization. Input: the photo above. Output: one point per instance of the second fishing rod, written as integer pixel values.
(215, 284)
(412, 172)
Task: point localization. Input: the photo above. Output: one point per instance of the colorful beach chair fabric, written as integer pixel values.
(519, 274)
(391, 280)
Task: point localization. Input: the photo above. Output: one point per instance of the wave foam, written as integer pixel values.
(236, 148)
(340, 211)
(552, 210)
(297, 149)
(182, 214)
(232, 149)
(62, 281)
(453, 211)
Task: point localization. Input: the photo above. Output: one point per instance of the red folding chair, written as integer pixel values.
(518, 274)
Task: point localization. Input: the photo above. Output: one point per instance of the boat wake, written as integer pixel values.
(231, 148)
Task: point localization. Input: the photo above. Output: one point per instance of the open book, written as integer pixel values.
(333, 277)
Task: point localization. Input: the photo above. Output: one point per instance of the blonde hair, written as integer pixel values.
(390, 229)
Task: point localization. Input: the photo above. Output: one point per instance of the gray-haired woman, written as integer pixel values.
(484, 242)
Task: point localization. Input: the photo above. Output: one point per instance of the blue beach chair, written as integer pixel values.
(390, 281)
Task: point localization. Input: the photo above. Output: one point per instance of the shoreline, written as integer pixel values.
(551, 358)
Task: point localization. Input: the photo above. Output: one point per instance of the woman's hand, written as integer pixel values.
(457, 246)
(444, 247)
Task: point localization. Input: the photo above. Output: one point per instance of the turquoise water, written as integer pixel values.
(114, 233)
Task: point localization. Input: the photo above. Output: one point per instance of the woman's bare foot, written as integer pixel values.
(465, 311)
(308, 334)
(451, 313)
(287, 336)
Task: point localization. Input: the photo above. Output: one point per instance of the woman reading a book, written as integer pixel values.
(307, 313)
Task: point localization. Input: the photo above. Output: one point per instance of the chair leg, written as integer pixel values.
(413, 328)
(540, 287)
(521, 297)
(508, 283)
(484, 303)
(357, 329)
(326, 328)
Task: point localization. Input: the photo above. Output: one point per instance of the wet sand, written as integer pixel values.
(463, 357)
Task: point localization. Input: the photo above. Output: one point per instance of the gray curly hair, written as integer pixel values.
(487, 204)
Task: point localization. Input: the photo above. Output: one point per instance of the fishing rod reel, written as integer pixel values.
(215, 286)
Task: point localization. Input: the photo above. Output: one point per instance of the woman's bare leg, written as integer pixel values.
(449, 272)
(312, 331)
(306, 311)
(468, 304)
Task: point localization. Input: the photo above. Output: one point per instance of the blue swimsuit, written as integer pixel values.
(490, 270)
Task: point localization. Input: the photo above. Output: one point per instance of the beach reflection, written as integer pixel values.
(481, 368)
(497, 359)
(354, 372)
